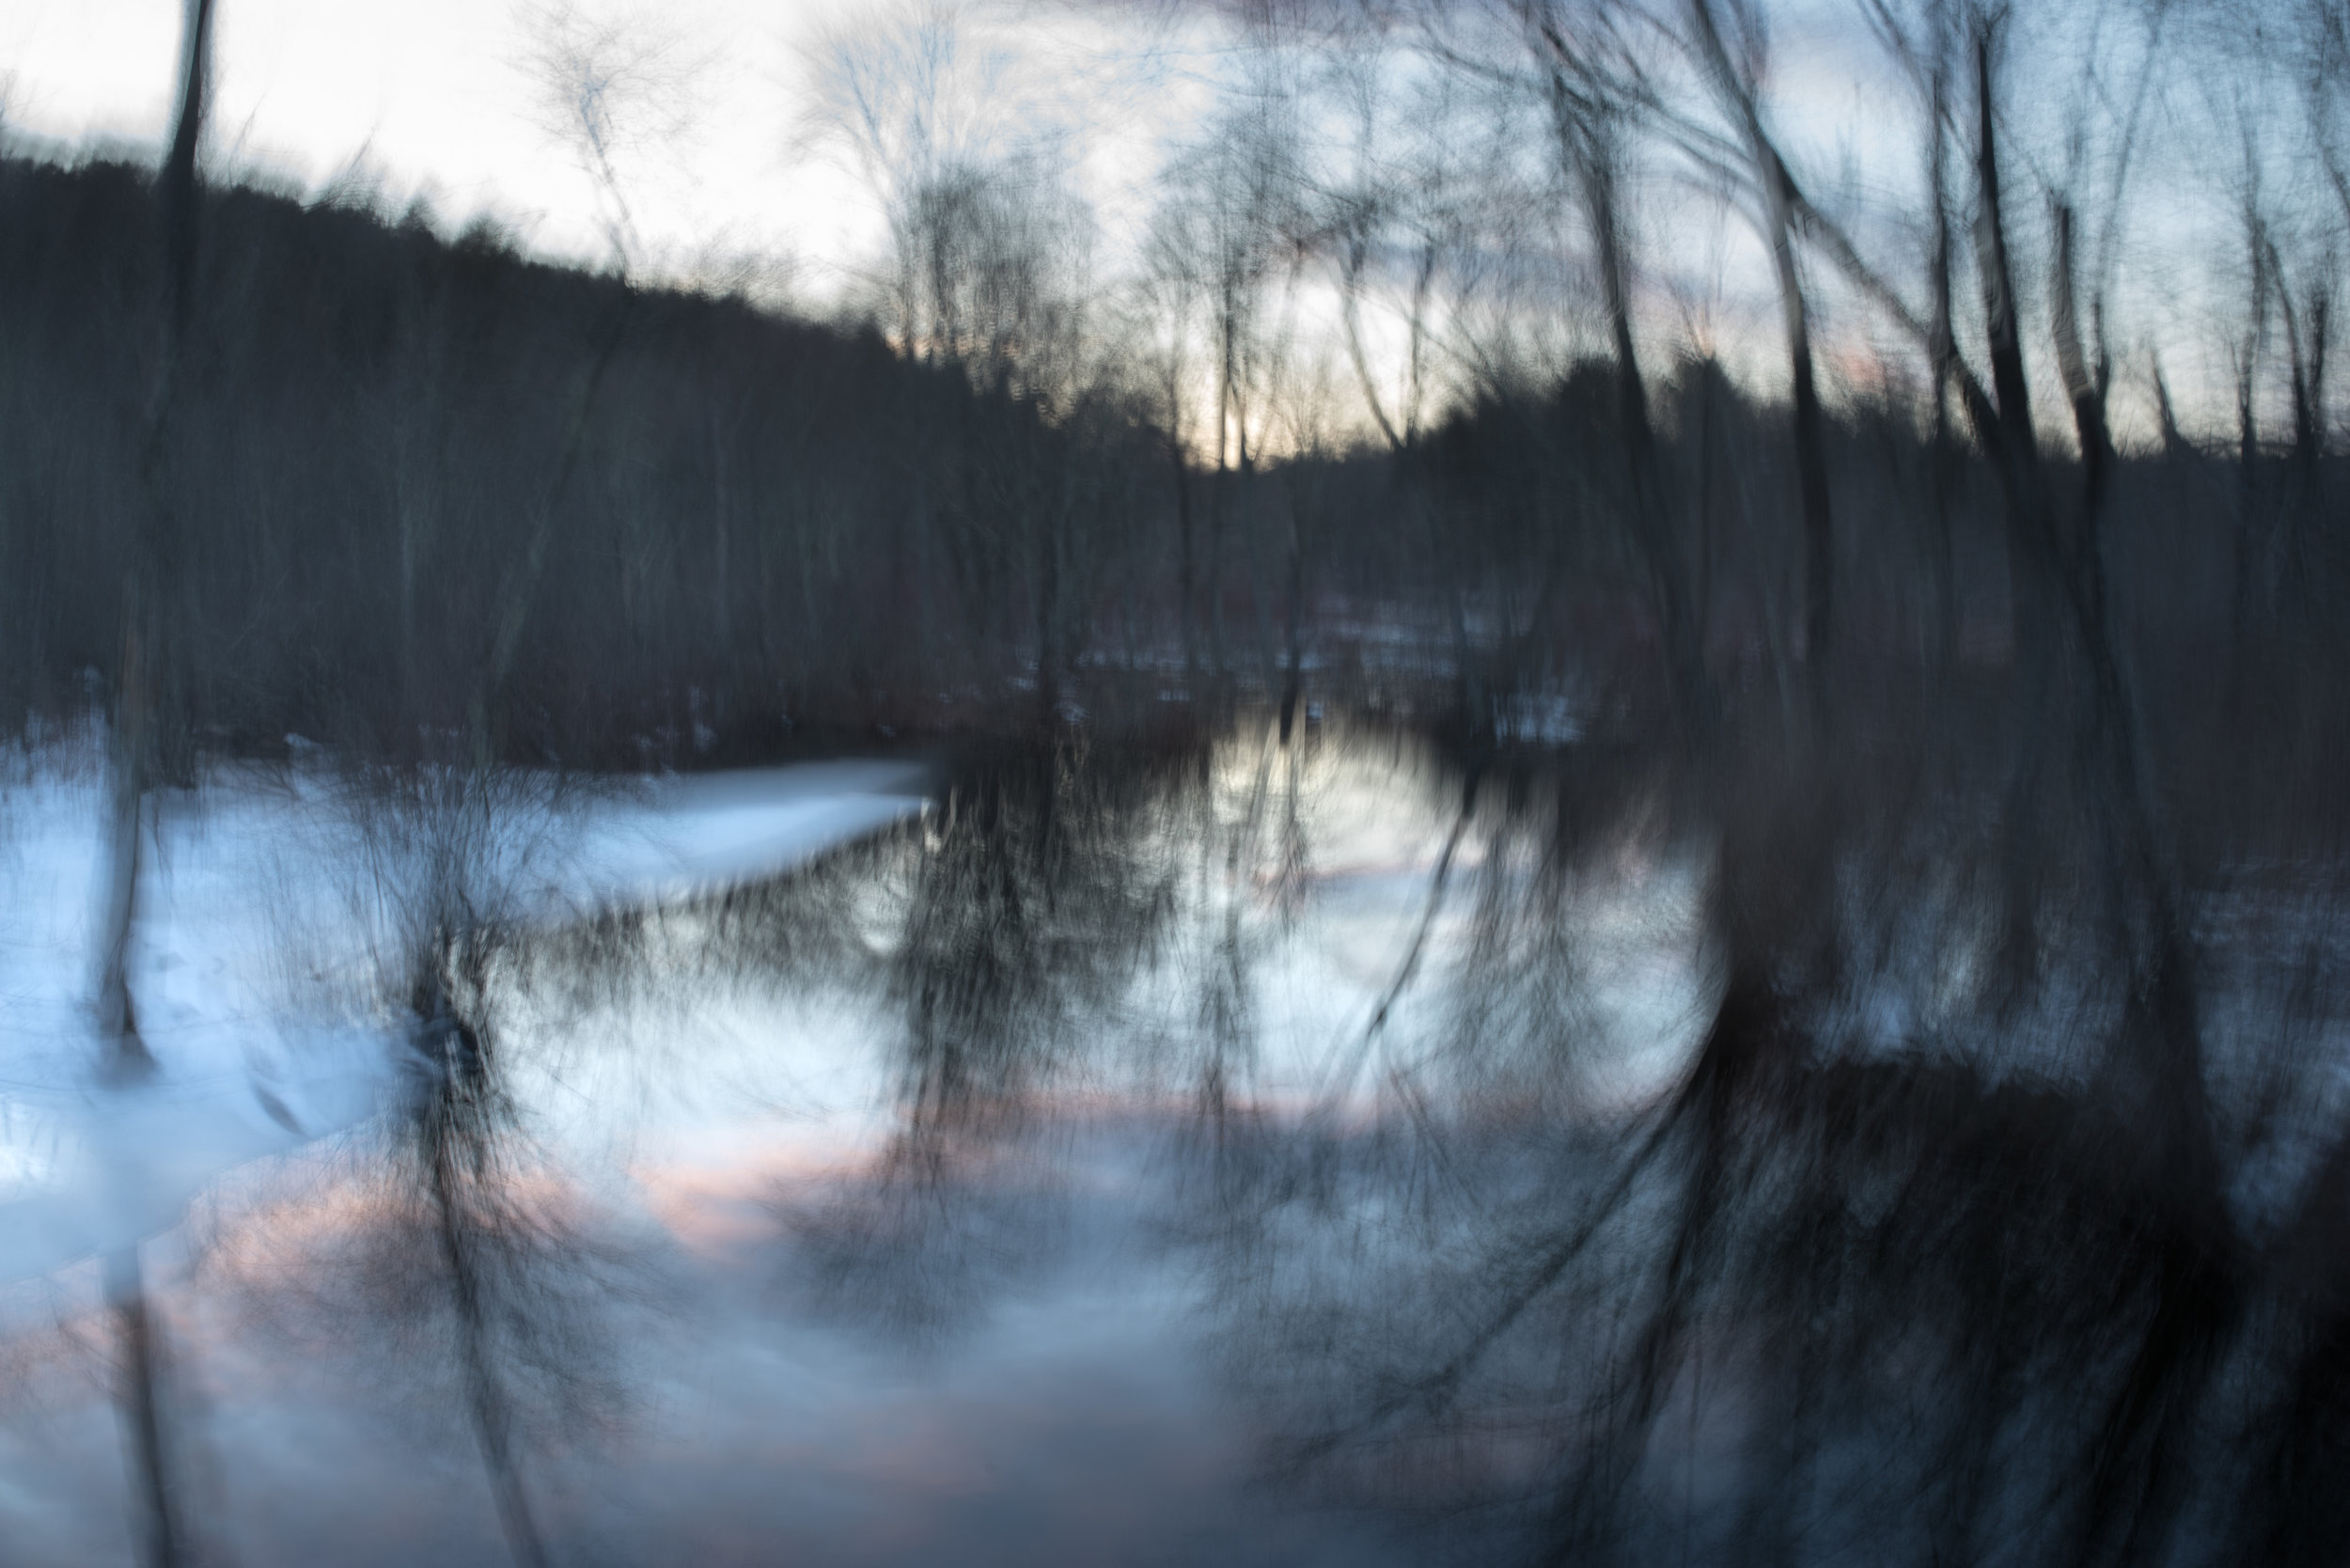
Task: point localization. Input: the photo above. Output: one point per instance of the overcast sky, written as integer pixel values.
(440, 97)
(720, 161)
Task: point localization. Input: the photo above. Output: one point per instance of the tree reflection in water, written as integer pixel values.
(1882, 1272)
(1839, 1291)
(1514, 1174)
(1041, 889)
(474, 1275)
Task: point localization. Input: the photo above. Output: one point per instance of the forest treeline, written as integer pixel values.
(399, 452)
(418, 472)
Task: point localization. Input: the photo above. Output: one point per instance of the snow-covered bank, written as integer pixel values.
(273, 907)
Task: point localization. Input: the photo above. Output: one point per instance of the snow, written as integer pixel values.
(269, 939)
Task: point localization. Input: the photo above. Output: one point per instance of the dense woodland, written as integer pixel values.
(417, 468)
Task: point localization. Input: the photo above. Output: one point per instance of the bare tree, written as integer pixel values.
(143, 680)
(1585, 72)
(612, 89)
(606, 88)
(1231, 231)
(1168, 302)
(1736, 84)
(1382, 219)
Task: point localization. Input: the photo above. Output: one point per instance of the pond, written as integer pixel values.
(1209, 1151)
(911, 1207)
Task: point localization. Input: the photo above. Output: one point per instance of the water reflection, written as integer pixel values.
(1332, 1151)
(1046, 882)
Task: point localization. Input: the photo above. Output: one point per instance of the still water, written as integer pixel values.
(1116, 1161)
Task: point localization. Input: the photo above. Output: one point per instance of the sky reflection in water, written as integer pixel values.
(897, 1213)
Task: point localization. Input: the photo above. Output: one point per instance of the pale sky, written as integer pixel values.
(438, 98)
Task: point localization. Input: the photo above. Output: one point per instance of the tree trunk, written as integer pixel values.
(1589, 156)
(1819, 531)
